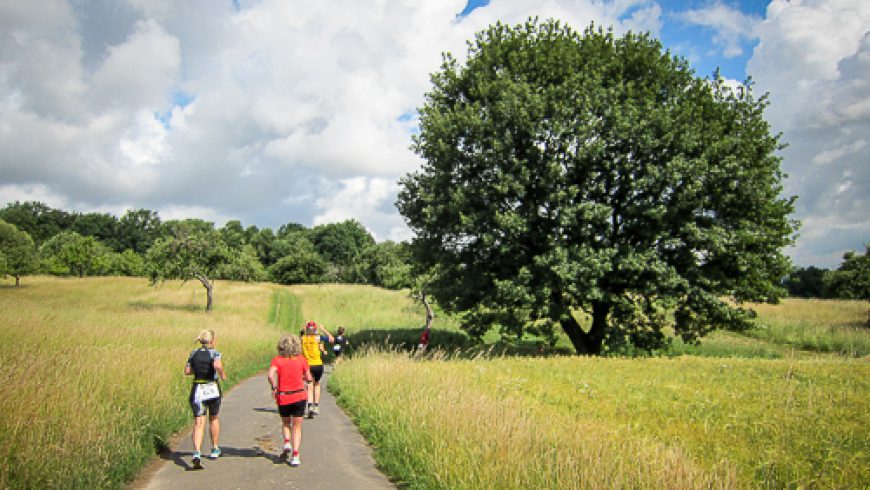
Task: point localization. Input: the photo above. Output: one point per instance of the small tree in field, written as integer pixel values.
(17, 251)
(187, 255)
(568, 173)
(70, 253)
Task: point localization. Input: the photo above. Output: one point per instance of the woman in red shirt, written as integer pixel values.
(288, 374)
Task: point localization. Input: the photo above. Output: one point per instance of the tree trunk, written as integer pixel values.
(588, 342)
(209, 288)
(429, 314)
(17, 279)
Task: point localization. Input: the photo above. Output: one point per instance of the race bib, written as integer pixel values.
(209, 391)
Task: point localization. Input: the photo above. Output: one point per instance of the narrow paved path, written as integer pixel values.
(334, 454)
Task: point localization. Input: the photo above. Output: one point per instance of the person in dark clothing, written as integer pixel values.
(340, 344)
(206, 366)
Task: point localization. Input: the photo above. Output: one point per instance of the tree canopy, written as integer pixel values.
(852, 279)
(71, 253)
(191, 252)
(569, 173)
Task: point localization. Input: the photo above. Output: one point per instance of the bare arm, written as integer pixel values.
(219, 368)
(307, 376)
(187, 370)
(273, 377)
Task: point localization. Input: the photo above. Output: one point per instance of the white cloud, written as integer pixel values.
(300, 111)
(31, 192)
(814, 59)
(303, 111)
(731, 26)
(181, 212)
(141, 71)
(370, 201)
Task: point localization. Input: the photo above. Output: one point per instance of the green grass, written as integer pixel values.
(92, 370)
(97, 363)
(831, 326)
(576, 422)
(771, 415)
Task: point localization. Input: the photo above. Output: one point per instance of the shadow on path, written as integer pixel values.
(334, 454)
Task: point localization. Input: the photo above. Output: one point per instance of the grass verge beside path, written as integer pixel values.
(93, 376)
(606, 422)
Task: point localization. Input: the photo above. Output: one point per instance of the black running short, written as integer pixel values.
(317, 372)
(210, 407)
(293, 410)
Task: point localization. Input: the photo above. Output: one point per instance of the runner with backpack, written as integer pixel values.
(206, 366)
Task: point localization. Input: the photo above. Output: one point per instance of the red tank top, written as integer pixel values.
(291, 373)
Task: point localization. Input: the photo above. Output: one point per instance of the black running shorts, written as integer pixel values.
(293, 410)
(317, 372)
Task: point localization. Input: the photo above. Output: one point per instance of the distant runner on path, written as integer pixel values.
(340, 344)
(206, 366)
(288, 374)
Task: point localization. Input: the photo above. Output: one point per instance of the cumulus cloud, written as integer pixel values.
(814, 59)
(265, 111)
(731, 27)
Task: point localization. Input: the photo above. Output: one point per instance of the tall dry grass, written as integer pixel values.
(834, 326)
(576, 422)
(93, 370)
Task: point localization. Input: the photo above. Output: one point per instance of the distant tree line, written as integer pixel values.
(35, 238)
(849, 281)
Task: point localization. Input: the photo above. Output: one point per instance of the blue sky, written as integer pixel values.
(690, 40)
(695, 42)
(271, 112)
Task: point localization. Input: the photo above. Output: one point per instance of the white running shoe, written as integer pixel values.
(285, 453)
(316, 410)
(295, 461)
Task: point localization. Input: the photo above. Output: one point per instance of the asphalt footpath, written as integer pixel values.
(334, 454)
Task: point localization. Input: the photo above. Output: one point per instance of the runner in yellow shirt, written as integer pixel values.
(313, 337)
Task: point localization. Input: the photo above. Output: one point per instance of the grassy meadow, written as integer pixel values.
(580, 422)
(93, 370)
(736, 411)
(94, 376)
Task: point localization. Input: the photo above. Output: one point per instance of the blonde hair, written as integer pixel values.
(289, 345)
(205, 337)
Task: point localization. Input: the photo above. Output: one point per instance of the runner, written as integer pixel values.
(423, 344)
(206, 367)
(340, 344)
(288, 374)
(312, 348)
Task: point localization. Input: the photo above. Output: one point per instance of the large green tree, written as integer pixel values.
(192, 251)
(18, 252)
(571, 172)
